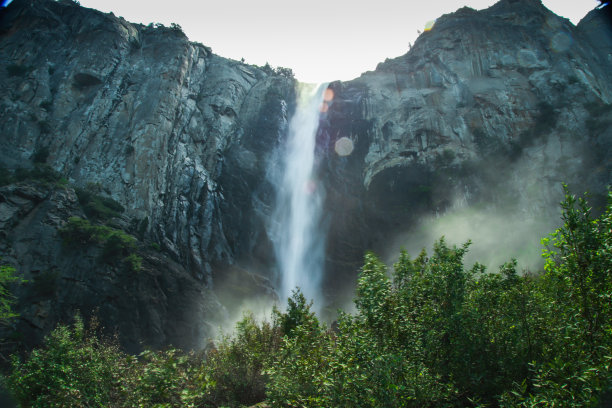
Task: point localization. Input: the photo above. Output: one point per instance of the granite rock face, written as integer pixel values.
(489, 111)
(154, 120)
(140, 110)
(160, 304)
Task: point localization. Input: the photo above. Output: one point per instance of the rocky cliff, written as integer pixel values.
(138, 129)
(473, 131)
(155, 123)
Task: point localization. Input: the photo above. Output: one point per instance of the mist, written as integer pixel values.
(496, 237)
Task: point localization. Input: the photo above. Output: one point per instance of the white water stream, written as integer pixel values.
(296, 230)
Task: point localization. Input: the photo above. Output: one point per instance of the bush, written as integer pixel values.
(133, 263)
(439, 334)
(116, 244)
(73, 369)
(7, 277)
(96, 205)
(164, 379)
(77, 368)
(235, 366)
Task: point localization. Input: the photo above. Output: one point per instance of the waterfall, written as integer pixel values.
(296, 225)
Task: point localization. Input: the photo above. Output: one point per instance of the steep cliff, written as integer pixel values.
(481, 120)
(485, 117)
(155, 122)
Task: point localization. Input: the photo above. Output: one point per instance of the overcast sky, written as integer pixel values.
(321, 40)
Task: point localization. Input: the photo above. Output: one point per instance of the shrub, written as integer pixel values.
(96, 205)
(167, 378)
(430, 333)
(78, 368)
(7, 277)
(297, 370)
(235, 367)
(116, 244)
(439, 334)
(73, 369)
(133, 263)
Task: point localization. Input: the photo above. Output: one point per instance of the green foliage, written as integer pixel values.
(574, 368)
(298, 313)
(133, 263)
(7, 277)
(297, 370)
(73, 369)
(96, 205)
(176, 27)
(285, 72)
(430, 333)
(235, 366)
(76, 368)
(438, 334)
(116, 244)
(163, 379)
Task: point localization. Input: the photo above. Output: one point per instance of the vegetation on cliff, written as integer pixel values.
(431, 333)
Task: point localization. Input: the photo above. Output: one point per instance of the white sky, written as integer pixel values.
(321, 40)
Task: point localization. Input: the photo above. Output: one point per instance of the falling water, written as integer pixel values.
(297, 234)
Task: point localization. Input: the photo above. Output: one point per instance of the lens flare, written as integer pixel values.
(328, 96)
(344, 146)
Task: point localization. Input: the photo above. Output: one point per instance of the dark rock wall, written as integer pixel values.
(171, 131)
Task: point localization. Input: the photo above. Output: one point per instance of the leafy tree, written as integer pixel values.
(574, 367)
(296, 371)
(77, 368)
(7, 277)
(298, 313)
(116, 244)
(235, 365)
(74, 369)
